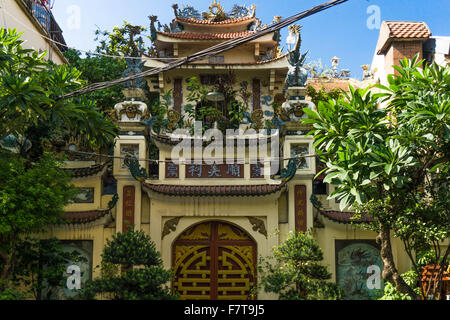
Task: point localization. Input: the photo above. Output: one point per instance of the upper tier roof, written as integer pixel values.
(208, 22)
(206, 36)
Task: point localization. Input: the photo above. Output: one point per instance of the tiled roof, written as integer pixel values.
(86, 172)
(207, 36)
(228, 21)
(430, 271)
(406, 29)
(273, 59)
(345, 217)
(401, 31)
(330, 85)
(216, 191)
(85, 217)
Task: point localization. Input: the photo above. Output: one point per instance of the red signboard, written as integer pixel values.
(300, 208)
(128, 207)
(215, 171)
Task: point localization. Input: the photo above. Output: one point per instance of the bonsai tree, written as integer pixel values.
(141, 275)
(294, 271)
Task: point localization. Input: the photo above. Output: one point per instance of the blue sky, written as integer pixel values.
(341, 31)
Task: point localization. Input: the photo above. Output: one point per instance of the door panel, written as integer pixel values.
(214, 261)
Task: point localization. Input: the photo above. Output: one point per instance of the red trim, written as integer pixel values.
(206, 36)
(128, 207)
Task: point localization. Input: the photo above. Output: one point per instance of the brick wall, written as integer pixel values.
(406, 49)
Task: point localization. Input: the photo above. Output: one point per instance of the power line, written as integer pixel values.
(184, 162)
(204, 54)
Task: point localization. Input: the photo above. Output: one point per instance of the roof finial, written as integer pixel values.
(253, 7)
(175, 9)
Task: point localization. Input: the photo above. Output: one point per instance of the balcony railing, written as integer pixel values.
(47, 21)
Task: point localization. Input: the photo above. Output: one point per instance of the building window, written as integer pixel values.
(128, 150)
(216, 59)
(319, 187)
(300, 150)
(85, 195)
(210, 79)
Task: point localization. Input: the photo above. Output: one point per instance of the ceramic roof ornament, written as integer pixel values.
(297, 74)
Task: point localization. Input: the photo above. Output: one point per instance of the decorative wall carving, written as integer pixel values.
(170, 226)
(258, 225)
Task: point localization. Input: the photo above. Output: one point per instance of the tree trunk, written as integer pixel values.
(8, 267)
(390, 272)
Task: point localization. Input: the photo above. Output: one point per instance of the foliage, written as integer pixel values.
(29, 91)
(118, 43)
(228, 114)
(10, 294)
(392, 163)
(321, 94)
(99, 69)
(143, 276)
(41, 266)
(30, 199)
(390, 293)
(296, 272)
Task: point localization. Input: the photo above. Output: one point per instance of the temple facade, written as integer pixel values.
(213, 217)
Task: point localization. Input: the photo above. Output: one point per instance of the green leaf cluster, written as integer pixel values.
(143, 276)
(29, 91)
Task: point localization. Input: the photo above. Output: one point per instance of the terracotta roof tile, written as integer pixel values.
(215, 191)
(345, 217)
(86, 216)
(431, 270)
(206, 36)
(328, 86)
(406, 29)
(86, 172)
(228, 21)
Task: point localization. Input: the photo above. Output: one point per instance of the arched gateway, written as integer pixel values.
(214, 261)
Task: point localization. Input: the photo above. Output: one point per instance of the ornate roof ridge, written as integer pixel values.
(206, 36)
(87, 171)
(238, 190)
(344, 217)
(208, 22)
(82, 217)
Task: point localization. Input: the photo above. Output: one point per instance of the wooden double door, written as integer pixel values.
(215, 261)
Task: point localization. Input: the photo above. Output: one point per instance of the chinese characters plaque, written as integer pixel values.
(300, 208)
(128, 207)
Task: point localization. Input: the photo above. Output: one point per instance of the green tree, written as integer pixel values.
(99, 69)
(29, 104)
(295, 273)
(393, 163)
(30, 200)
(322, 94)
(41, 267)
(143, 276)
(34, 188)
(390, 293)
